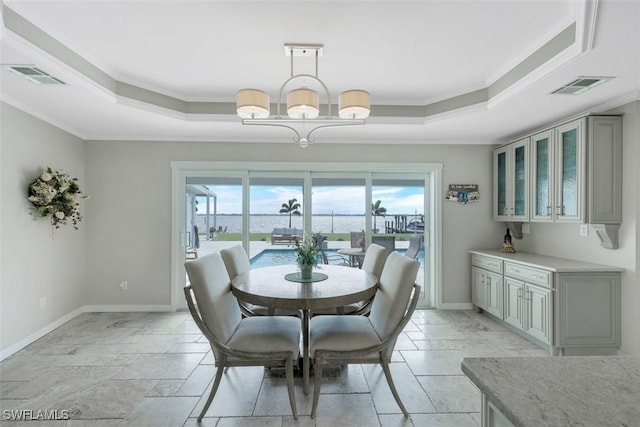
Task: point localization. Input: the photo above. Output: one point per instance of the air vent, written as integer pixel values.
(35, 75)
(580, 85)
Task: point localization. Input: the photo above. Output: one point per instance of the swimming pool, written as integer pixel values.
(270, 257)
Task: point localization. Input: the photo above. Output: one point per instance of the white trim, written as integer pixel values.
(39, 333)
(456, 306)
(108, 308)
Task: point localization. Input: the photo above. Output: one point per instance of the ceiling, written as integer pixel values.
(452, 72)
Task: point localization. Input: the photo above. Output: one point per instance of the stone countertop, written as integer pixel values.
(561, 391)
(558, 265)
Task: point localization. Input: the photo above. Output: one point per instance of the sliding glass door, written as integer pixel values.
(264, 207)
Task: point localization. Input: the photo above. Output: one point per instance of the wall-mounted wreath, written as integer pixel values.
(54, 193)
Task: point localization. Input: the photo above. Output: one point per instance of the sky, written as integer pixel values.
(339, 200)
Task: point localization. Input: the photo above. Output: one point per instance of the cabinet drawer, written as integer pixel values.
(528, 274)
(487, 263)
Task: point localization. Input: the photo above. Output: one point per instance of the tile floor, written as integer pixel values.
(155, 369)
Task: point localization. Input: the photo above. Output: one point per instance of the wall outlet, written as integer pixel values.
(584, 230)
(43, 302)
(124, 285)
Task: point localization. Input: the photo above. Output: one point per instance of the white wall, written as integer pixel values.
(130, 184)
(32, 263)
(564, 240)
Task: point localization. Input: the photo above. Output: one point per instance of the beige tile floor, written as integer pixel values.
(155, 369)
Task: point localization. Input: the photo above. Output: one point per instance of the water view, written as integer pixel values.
(320, 223)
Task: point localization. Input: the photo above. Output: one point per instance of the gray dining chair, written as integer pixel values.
(342, 340)
(237, 341)
(237, 262)
(373, 263)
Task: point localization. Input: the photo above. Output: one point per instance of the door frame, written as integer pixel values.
(432, 172)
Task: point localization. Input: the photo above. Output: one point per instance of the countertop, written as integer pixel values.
(558, 265)
(572, 391)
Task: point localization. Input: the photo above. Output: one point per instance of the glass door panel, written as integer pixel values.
(338, 208)
(276, 207)
(214, 214)
(543, 203)
(398, 212)
(501, 180)
(569, 171)
(520, 181)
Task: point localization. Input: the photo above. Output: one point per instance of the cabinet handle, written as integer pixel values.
(513, 270)
(528, 297)
(548, 210)
(519, 293)
(537, 277)
(558, 210)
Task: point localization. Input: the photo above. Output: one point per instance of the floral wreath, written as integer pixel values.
(55, 193)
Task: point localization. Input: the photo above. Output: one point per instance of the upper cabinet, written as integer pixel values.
(569, 173)
(511, 182)
(558, 167)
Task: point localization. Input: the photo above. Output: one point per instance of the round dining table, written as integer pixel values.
(281, 287)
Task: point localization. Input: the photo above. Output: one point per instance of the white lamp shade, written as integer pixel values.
(303, 104)
(252, 104)
(354, 104)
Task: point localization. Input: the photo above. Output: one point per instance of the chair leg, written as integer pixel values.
(292, 397)
(214, 388)
(317, 380)
(387, 373)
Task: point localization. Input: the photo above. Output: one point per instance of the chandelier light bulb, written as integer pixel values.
(303, 104)
(252, 104)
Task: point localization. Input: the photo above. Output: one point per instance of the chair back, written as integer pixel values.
(374, 259)
(212, 290)
(235, 260)
(388, 242)
(392, 297)
(415, 243)
(357, 239)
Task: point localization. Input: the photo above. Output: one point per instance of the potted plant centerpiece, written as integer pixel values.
(306, 252)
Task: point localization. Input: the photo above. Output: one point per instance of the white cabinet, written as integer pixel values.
(558, 158)
(572, 173)
(486, 285)
(511, 182)
(529, 308)
(565, 306)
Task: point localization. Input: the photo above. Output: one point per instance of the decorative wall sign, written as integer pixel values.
(463, 193)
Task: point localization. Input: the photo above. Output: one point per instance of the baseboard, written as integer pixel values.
(9, 351)
(124, 308)
(455, 306)
(39, 333)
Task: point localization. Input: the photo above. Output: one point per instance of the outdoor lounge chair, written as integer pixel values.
(415, 244)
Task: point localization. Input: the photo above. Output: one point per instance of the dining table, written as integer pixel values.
(282, 286)
(356, 255)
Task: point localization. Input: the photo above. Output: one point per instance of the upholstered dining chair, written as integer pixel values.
(237, 262)
(368, 339)
(374, 259)
(237, 341)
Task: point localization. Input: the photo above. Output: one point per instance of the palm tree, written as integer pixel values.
(377, 210)
(291, 208)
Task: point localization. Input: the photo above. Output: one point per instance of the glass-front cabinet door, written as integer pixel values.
(511, 182)
(542, 188)
(569, 186)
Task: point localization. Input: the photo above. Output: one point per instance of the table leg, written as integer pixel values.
(305, 349)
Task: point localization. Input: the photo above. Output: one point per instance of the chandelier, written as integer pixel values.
(303, 103)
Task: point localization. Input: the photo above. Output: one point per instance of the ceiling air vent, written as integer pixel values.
(35, 75)
(580, 85)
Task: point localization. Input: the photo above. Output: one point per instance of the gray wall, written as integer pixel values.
(564, 240)
(129, 213)
(33, 263)
(127, 220)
